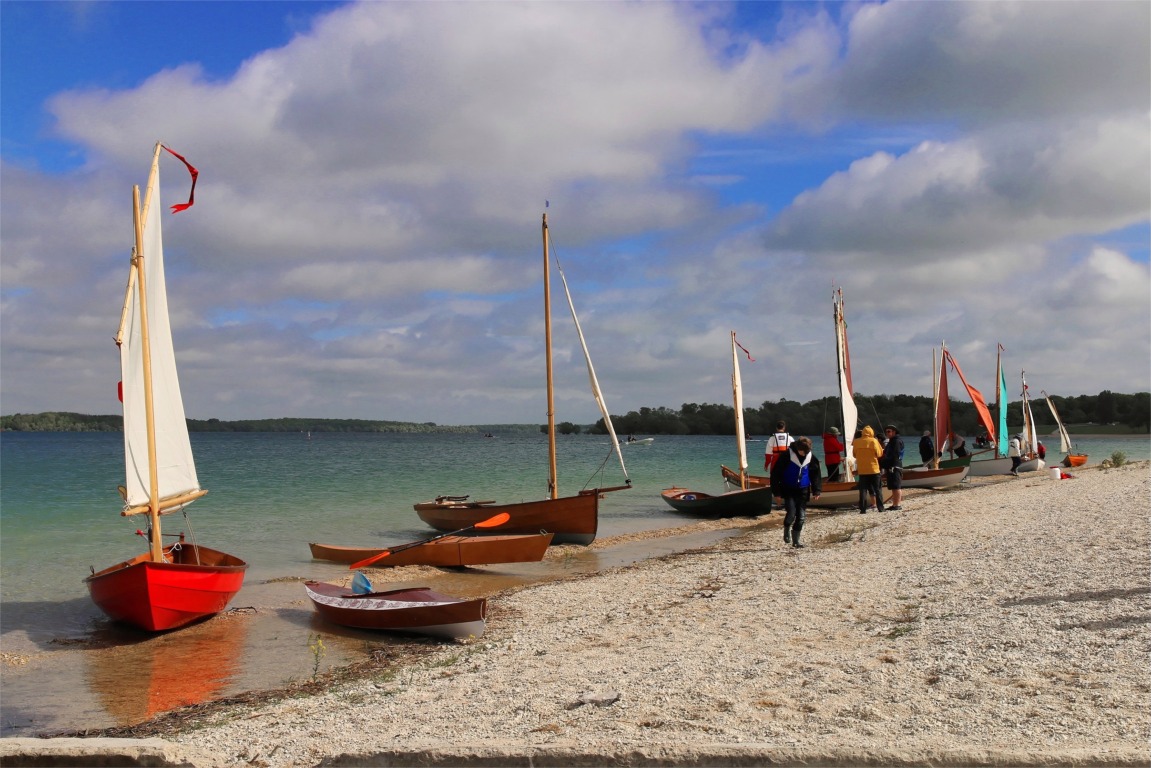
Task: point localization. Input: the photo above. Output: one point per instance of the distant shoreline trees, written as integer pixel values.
(1105, 413)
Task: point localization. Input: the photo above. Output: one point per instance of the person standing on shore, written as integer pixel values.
(867, 451)
(796, 477)
(1015, 451)
(833, 449)
(892, 464)
(777, 444)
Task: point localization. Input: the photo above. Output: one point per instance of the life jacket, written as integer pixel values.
(782, 442)
(796, 475)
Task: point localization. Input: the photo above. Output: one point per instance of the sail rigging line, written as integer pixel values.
(597, 393)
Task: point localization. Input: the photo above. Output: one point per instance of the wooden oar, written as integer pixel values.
(491, 522)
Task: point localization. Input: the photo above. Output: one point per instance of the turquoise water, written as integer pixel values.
(270, 494)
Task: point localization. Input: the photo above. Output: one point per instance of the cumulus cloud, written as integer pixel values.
(365, 240)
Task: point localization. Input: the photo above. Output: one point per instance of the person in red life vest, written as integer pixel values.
(833, 449)
(777, 444)
(796, 477)
(867, 451)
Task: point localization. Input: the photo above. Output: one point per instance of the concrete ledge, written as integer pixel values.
(100, 752)
(735, 756)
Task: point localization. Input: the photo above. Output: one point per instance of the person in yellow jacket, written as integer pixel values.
(867, 451)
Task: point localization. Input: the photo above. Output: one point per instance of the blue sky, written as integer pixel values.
(365, 239)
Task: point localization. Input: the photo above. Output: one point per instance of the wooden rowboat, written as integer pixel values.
(448, 552)
(572, 519)
(933, 478)
(1075, 460)
(740, 503)
(416, 610)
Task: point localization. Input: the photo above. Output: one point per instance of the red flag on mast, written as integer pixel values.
(192, 194)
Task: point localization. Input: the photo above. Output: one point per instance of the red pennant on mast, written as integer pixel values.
(195, 174)
(749, 357)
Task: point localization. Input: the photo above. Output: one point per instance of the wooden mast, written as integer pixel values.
(157, 547)
(553, 487)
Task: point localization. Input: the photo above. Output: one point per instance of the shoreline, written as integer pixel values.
(949, 632)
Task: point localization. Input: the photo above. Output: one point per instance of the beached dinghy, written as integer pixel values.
(167, 586)
(739, 503)
(417, 610)
(447, 552)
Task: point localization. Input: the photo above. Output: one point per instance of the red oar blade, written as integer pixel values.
(492, 522)
(369, 560)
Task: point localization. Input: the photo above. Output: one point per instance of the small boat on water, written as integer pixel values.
(417, 610)
(638, 441)
(171, 585)
(447, 552)
(738, 503)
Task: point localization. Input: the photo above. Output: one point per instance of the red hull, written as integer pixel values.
(573, 519)
(1075, 460)
(160, 596)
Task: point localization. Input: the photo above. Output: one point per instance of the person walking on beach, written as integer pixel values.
(1015, 451)
(867, 451)
(892, 463)
(777, 444)
(833, 449)
(796, 477)
(926, 448)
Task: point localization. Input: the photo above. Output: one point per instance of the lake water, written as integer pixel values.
(66, 667)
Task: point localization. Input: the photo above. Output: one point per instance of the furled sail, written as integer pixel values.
(737, 397)
(943, 428)
(1030, 436)
(595, 388)
(147, 357)
(843, 363)
(1001, 444)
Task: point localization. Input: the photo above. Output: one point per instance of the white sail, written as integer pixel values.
(737, 397)
(1064, 438)
(595, 388)
(846, 400)
(1030, 436)
(175, 468)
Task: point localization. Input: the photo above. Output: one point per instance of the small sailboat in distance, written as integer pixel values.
(169, 585)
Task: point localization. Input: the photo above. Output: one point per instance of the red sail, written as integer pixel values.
(976, 398)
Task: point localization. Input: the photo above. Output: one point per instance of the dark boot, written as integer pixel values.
(786, 535)
(795, 537)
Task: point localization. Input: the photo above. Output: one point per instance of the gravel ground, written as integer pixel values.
(998, 624)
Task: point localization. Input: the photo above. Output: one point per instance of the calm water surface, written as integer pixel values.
(66, 667)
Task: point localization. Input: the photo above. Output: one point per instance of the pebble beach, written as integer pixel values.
(1003, 622)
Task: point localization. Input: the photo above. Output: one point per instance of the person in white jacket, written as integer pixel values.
(1015, 451)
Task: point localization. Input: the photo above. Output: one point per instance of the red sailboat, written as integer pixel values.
(169, 585)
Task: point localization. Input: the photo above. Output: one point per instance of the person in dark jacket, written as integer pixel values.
(926, 448)
(891, 462)
(796, 477)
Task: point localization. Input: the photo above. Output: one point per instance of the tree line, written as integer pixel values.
(56, 421)
(1105, 413)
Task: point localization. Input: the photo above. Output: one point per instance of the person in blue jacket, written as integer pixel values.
(796, 477)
